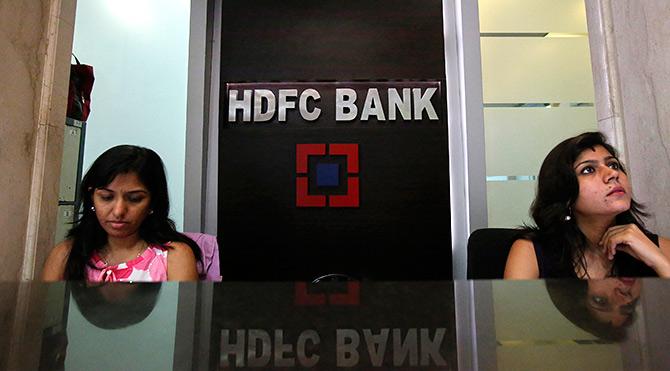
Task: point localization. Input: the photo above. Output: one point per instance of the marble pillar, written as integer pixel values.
(35, 44)
(630, 50)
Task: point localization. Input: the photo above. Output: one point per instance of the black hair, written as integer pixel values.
(132, 302)
(570, 297)
(557, 192)
(157, 228)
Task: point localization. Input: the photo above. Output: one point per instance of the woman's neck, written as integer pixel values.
(597, 264)
(594, 229)
(121, 244)
(118, 250)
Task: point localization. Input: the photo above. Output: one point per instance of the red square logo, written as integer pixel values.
(303, 174)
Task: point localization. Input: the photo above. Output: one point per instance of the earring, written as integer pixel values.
(93, 208)
(568, 217)
(151, 212)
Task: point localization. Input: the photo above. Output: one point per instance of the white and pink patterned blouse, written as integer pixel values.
(150, 266)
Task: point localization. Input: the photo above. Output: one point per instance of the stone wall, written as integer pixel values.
(35, 44)
(630, 47)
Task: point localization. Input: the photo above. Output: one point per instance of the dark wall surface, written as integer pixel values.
(332, 40)
(401, 228)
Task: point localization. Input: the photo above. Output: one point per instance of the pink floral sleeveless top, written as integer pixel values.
(150, 266)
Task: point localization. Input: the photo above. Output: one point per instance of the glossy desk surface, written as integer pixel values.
(488, 325)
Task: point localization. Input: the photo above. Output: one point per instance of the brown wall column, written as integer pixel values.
(35, 42)
(630, 54)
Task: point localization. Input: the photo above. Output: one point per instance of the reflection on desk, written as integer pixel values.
(612, 324)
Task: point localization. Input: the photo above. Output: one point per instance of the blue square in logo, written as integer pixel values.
(327, 175)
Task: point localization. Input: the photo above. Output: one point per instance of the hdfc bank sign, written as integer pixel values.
(327, 168)
(401, 104)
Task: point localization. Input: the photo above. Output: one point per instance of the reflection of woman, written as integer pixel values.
(114, 306)
(106, 306)
(603, 308)
(124, 233)
(612, 300)
(587, 224)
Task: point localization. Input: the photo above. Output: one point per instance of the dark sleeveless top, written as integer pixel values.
(550, 266)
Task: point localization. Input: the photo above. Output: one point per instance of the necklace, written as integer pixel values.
(105, 254)
(599, 269)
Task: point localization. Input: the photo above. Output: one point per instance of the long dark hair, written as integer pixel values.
(557, 192)
(157, 228)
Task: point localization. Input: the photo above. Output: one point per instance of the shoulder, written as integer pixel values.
(54, 266)
(181, 262)
(179, 249)
(62, 249)
(664, 244)
(521, 261)
(523, 246)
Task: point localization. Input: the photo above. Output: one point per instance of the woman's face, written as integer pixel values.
(603, 186)
(122, 205)
(613, 300)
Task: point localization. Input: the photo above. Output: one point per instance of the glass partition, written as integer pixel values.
(612, 324)
(538, 90)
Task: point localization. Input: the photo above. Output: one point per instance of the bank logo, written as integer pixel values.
(330, 178)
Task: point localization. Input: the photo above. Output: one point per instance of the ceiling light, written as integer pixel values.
(513, 34)
(565, 34)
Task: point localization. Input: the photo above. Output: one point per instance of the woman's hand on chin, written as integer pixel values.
(631, 240)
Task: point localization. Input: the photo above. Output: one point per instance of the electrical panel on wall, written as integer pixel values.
(70, 176)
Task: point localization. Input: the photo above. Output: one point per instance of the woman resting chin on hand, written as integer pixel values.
(587, 224)
(124, 233)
